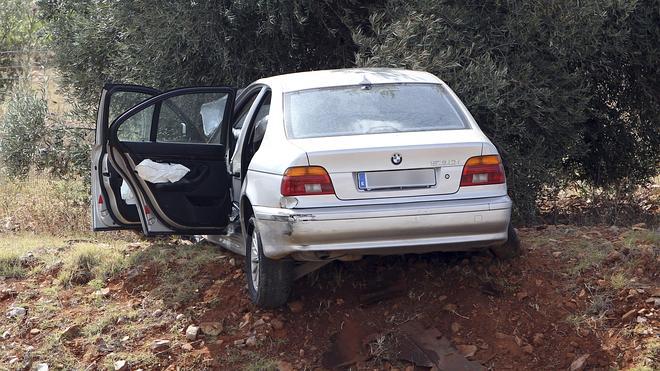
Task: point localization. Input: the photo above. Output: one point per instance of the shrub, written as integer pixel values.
(568, 91)
(22, 128)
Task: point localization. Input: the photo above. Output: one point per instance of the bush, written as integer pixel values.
(30, 138)
(568, 91)
(22, 128)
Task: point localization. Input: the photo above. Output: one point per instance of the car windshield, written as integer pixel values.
(369, 109)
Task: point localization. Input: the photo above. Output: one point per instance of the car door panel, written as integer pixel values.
(200, 201)
(193, 200)
(109, 210)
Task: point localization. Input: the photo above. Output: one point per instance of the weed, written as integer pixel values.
(257, 362)
(599, 305)
(643, 237)
(650, 358)
(176, 269)
(576, 320)
(619, 281)
(586, 255)
(10, 265)
(87, 261)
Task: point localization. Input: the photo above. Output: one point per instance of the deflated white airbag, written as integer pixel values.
(157, 172)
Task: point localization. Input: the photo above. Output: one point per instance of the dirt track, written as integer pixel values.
(563, 300)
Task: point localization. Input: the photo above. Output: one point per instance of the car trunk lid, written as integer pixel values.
(394, 164)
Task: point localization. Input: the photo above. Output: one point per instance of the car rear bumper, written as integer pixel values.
(384, 229)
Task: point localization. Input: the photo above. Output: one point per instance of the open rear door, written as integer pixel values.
(110, 210)
(177, 172)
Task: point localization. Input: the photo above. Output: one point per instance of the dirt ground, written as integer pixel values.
(579, 298)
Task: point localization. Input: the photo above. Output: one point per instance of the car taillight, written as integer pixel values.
(482, 170)
(306, 181)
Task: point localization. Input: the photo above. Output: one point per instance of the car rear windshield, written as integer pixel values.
(369, 109)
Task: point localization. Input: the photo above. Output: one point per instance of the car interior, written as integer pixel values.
(180, 122)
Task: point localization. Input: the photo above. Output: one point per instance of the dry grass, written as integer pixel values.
(89, 261)
(44, 205)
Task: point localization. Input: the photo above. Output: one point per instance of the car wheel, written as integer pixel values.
(511, 248)
(269, 280)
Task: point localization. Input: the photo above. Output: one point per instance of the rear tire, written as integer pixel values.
(269, 281)
(511, 248)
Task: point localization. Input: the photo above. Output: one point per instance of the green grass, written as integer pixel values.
(586, 255)
(176, 269)
(12, 247)
(87, 261)
(649, 237)
(619, 280)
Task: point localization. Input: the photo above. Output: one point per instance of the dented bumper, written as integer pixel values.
(418, 227)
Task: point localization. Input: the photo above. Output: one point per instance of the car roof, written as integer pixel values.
(346, 77)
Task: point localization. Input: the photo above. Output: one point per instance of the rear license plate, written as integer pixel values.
(396, 179)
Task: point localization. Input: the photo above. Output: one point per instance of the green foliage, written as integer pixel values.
(22, 128)
(567, 90)
(179, 43)
(553, 84)
(30, 140)
(21, 32)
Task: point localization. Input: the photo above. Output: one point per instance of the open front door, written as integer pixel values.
(177, 171)
(112, 208)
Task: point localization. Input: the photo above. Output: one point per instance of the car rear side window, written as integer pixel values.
(370, 109)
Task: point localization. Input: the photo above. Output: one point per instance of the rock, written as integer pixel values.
(639, 227)
(211, 328)
(70, 332)
(191, 332)
(455, 327)
(654, 301)
(187, 347)
(6, 335)
(159, 346)
(537, 339)
(613, 257)
(556, 254)
(42, 366)
(450, 307)
(528, 348)
(260, 322)
(284, 366)
(239, 342)
(179, 316)
(157, 313)
(102, 293)
(121, 365)
(641, 319)
(296, 306)
(13, 360)
(232, 261)
(467, 350)
(35, 331)
(277, 324)
(579, 363)
(251, 341)
(629, 314)
(522, 295)
(7, 293)
(16, 312)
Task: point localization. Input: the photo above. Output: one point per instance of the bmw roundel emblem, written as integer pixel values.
(396, 159)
